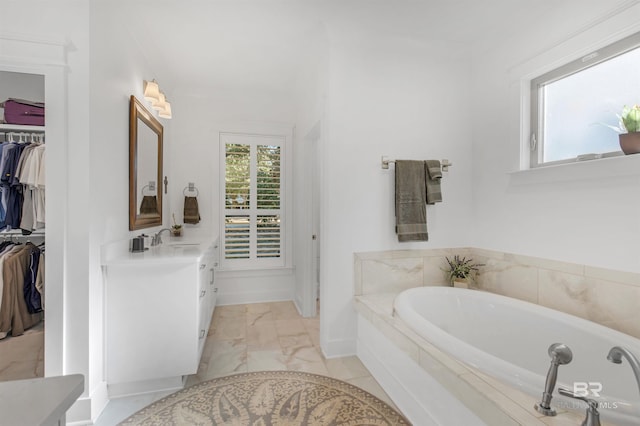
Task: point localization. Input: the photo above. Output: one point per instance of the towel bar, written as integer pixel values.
(444, 163)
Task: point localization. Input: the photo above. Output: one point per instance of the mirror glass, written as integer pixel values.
(145, 167)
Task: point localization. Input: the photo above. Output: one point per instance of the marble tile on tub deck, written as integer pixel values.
(509, 412)
(434, 271)
(380, 276)
(553, 265)
(564, 292)
(630, 326)
(519, 282)
(622, 277)
(401, 341)
(596, 300)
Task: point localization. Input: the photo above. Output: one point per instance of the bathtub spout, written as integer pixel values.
(615, 355)
(560, 354)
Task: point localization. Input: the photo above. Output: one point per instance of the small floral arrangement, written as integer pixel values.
(629, 120)
(461, 267)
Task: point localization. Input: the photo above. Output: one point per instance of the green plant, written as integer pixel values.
(629, 120)
(461, 267)
(175, 225)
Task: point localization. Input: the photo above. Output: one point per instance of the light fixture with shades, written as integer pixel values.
(158, 105)
(166, 111)
(151, 90)
(158, 100)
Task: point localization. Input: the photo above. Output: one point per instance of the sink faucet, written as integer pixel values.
(156, 240)
(560, 354)
(615, 355)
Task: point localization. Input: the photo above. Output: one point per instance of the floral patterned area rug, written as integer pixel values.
(269, 398)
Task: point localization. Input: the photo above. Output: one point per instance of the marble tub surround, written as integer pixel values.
(607, 297)
(397, 270)
(489, 399)
(604, 296)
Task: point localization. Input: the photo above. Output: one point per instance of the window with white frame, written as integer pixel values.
(575, 107)
(253, 200)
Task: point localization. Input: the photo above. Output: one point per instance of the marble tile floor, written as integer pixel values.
(256, 337)
(22, 357)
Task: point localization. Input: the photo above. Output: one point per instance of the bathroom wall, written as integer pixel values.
(195, 157)
(394, 97)
(68, 21)
(311, 91)
(118, 68)
(583, 213)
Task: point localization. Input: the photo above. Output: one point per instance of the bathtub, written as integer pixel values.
(508, 339)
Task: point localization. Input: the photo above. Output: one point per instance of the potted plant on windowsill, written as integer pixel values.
(629, 129)
(461, 270)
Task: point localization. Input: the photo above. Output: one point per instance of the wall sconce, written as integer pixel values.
(158, 100)
(151, 91)
(166, 111)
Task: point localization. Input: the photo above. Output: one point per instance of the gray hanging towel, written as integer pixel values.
(191, 211)
(411, 207)
(433, 175)
(149, 205)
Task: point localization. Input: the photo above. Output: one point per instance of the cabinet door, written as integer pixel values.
(152, 322)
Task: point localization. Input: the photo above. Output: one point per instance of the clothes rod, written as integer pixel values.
(444, 163)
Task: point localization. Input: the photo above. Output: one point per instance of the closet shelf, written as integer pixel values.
(21, 128)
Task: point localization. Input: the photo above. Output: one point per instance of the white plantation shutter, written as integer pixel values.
(253, 200)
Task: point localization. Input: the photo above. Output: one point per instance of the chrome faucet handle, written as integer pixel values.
(560, 354)
(593, 416)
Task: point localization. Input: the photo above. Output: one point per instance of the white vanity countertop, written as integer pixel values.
(172, 250)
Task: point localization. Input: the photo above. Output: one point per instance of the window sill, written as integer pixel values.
(602, 168)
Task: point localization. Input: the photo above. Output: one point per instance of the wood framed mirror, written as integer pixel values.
(145, 167)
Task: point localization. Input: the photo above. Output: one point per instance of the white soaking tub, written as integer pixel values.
(508, 339)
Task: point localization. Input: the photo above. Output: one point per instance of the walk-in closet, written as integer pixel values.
(22, 225)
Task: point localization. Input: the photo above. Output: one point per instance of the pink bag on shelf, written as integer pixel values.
(19, 111)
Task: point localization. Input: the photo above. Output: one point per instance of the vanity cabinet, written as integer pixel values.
(158, 310)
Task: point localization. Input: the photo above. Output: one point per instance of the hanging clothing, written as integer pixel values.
(15, 317)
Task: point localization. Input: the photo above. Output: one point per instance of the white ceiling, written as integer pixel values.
(255, 44)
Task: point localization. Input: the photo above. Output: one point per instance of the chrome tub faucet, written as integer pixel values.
(616, 354)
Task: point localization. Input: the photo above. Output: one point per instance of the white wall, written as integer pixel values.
(118, 68)
(67, 20)
(311, 90)
(21, 86)
(582, 213)
(195, 157)
(403, 99)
